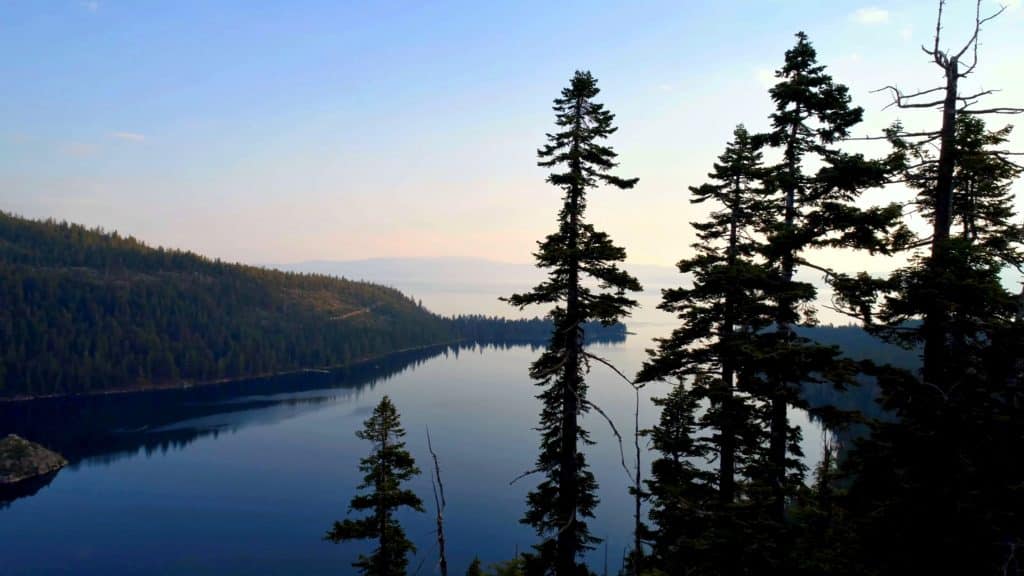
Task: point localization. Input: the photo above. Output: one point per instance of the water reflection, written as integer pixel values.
(103, 429)
(24, 489)
(271, 463)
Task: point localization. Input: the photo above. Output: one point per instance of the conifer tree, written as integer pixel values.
(956, 65)
(942, 476)
(385, 470)
(558, 507)
(723, 314)
(955, 433)
(682, 492)
(811, 210)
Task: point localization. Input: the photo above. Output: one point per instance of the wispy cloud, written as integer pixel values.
(907, 33)
(91, 5)
(128, 136)
(871, 15)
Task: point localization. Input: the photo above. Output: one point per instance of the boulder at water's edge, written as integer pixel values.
(21, 460)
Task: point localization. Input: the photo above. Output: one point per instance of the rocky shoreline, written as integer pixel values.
(22, 461)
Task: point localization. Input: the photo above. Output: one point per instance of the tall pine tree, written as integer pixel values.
(723, 315)
(558, 507)
(385, 470)
(813, 191)
(943, 478)
(944, 472)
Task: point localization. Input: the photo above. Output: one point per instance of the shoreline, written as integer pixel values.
(205, 383)
(182, 385)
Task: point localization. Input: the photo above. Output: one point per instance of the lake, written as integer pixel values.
(245, 478)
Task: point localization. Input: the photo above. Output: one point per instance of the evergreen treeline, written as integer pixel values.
(496, 329)
(932, 487)
(85, 310)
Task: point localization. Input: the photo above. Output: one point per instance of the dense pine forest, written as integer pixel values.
(86, 310)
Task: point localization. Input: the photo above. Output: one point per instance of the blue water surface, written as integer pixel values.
(245, 478)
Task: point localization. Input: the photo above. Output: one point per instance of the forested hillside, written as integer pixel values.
(85, 310)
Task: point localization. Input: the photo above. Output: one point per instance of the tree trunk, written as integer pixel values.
(727, 448)
(568, 489)
(382, 513)
(779, 429)
(936, 321)
(638, 496)
(727, 463)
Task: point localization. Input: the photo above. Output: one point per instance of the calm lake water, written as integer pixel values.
(246, 478)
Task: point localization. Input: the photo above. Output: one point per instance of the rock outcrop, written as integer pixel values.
(21, 460)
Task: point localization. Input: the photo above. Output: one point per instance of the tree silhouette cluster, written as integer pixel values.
(934, 485)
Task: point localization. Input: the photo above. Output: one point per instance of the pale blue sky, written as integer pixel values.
(284, 131)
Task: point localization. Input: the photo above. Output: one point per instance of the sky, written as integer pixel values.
(276, 132)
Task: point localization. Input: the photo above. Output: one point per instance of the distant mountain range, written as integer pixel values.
(473, 286)
(458, 271)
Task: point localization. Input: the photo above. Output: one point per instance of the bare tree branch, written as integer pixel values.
(637, 479)
(613, 368)
(622, 451)
(1000, 110)
(524, 475)
(440, 505)
(973, 42)
(978, 95)
(899, 99)
(934, 52)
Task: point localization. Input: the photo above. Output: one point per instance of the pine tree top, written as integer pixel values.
(805, 91)
(584, 122)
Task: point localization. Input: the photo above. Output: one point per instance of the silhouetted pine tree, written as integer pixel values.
(723, 314)
(385, 470)
(944, 471)
(475, 568)
(810, 209)
(557, 508)
(682, 492)
(939, 490)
